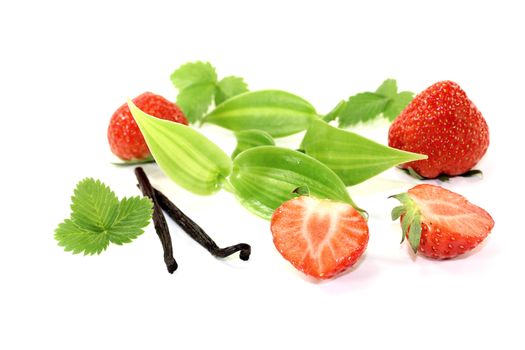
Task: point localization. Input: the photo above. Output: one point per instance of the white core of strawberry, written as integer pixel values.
(318, 235)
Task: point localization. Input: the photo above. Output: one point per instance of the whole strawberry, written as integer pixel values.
(125, 139)
(439, 223)
(444, 124)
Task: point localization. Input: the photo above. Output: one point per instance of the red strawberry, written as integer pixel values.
(319, 237)
(441, 224)
(444, 124)
(125, 139)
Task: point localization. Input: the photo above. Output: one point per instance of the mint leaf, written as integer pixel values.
(396, 105)
(362, 107)
(229, 87)
(196, 83)
(98, 218)
(388, 88)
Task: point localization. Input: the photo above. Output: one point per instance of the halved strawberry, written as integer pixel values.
(319, 237)
(439, 223)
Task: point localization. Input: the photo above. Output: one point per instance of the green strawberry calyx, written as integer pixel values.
(410, 221)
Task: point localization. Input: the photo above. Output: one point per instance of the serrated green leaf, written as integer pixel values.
(196, 100)
(184, 155)
(265, 177)
(334, 113)
(247, 139)
(388, 88)
(229, 87)
(94, 206)
(133, 214)
(353, 157)
(279, 113)
(193, 73)
(77, 240)
(98, 218)
(397, 104)
(362, 108)
(196, 83)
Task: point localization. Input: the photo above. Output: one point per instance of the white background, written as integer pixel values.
(66, 66)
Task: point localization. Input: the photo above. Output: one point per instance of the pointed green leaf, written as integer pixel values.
(247, 139)
(334, 113)
(186, 156)
(388, 88)
(362, 108)
(265, 177)
(397, 104)
(229, 87)
(278, 113)
(354, 158)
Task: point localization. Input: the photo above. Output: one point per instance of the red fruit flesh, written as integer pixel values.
(321, 238)
(444, 124)
(125, 139)
(451, 225)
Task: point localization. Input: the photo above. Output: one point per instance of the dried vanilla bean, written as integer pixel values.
(197, 233)
(159, 221)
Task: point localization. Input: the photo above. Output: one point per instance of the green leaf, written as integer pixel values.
(133, 214)
(334, 113)
(195, 101)
(94, 206)
(277, 112)
(362, 107)
(229, 87)
(98, 218)
(397, 212)
(77, 240)
(388, 88)
(265, 177)
(397, 104)
(247, 139)
(196, 84)
(411, 223)
(193, 73)
(184, 155)
(134, 162)
(414, 234)
(302, 191)
(352, 157)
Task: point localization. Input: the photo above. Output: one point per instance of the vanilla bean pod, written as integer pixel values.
(159, 221)
(197, 233)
